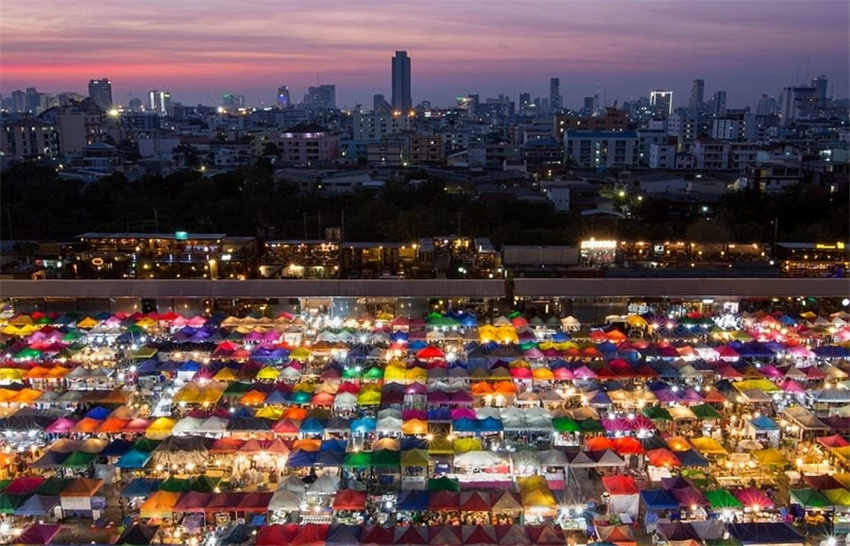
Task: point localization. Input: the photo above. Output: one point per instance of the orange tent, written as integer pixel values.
(307, 444)
(296, 414)
(26, 396)
(678, 443)
(112, 425)
(57, 372)
(159, 505)
(598, 443)
(504, 387)
(481, 388)
(627, 445)
(37, 372)
(662, 457)
(414, 426)
(253, 398)
(87, 425)
(542, 374)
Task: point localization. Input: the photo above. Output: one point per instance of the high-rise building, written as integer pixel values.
(401, 81)
(798, 103)
(33, 100)
(159, 101)
(820, 83)
(587, 109)
(525, 104)
(661, 101)
(555, 100)
(321, 96)
(697, 97)
(283, 98)
(719, 103)
(100, 91)
(380, 104)
(766, 105)
(232, 102)
(19, 101)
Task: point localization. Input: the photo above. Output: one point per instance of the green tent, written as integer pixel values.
(373, 373)
(78, 459)
(350, 373)
(145, 444)
(657, 413)
(52, 486)
(591, 425)
(204, 484)
(528, 345)
(564, 424)
(237, 388)
(809, 498)
(71, 336)
(443, 484)
(721, 498)
(143, 353)
(176, 485)
(386, 458)
(28, 354)
(361, 460)
(705, 411)
(4, 484)
(10, 503)
(301, 397)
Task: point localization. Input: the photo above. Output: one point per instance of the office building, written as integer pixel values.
(100, 91)
(695, 102)
(159, 101)
(661, 101)
(230, 101)
(33, 100)
(308, 145)
(820, 84)
(719, 103)
(283, 97)
(601, 149)
(29, 138)
(380, 104)
(321, 97)
(766, 106)
(555, 100)
(401, 81)
(798, 103)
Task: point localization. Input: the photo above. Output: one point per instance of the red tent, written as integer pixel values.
(39, 534)
(627, 445)
(254, 502)
(276, 535)
(663, 457)
(444, 535)
(223, 502)
(430, 352)
(478, 534)
(349, 499)
(411, 534)
(598, 443)
(444, 501)
(475, 501)
(311, 535)
(376, 534)
(620, 485)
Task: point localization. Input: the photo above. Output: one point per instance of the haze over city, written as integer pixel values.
(619, 49)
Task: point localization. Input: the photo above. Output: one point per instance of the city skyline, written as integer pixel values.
(497, 53)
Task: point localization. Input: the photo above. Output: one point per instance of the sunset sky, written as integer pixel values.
(201, 49)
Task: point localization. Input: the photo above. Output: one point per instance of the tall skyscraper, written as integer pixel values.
(321, 96)
(159, 101)
(661, 101)
(820, 83)
(283, 98)
(525, 104)
(401, 81)
(697, 97)
(719, 103)
(100, 91)
(555, 100)
(33, 100)
(380, 104)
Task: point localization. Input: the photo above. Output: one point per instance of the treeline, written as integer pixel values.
(36, 204)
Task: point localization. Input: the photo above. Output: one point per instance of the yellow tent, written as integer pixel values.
(270, 412)
(440, 445)
(708, 446)
(462, 445)
(636, 321)
(414, 426)
(415, 457)
(369, 397)
(225, 374)
(190, 394)
(838, 497)
(87, 323)
(268, 374)
(770, 457)
(160, 429)
(542, 374)
(300, 353)
(159, 505)
(487, 333)
(304, 387)
(146, 323)
(11, 374)
(416, 374)
(394, 373)
(535, 492)
(763, 385)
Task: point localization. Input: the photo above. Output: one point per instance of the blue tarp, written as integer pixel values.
(333, 445)
(764, 423)
(133, 459)
(301, 459)
(659, 499)
(37, 505)
(100, 413)
(311, 425)
(413, 501)
(330, 458)
(364, 424)
(116, 448)
(691, 458)
(141, 487)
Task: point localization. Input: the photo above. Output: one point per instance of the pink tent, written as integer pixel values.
(754, 498)
(789, 385)
(584, 373)
(62, 425)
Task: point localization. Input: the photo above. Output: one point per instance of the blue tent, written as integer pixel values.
(691, 458)
(311, 425)
(333, 445)
(601, 398)
(344, 534)
(469, 320)
(363, 425)
(606, 347)
(832, 351)
(439, 414)
(116, 448)
(330, 458)
(100, 413)
(133, 459)
(399, 336)
(301, 459)
(50, 459)
(37, 505)
(412, 442)
(764, 423)
(275, 398)
(141, 487)
(560, 336)
(237, 534)
(413, 501)
(465, 425)
(489, 424)
(416, 345)
(659, 499)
